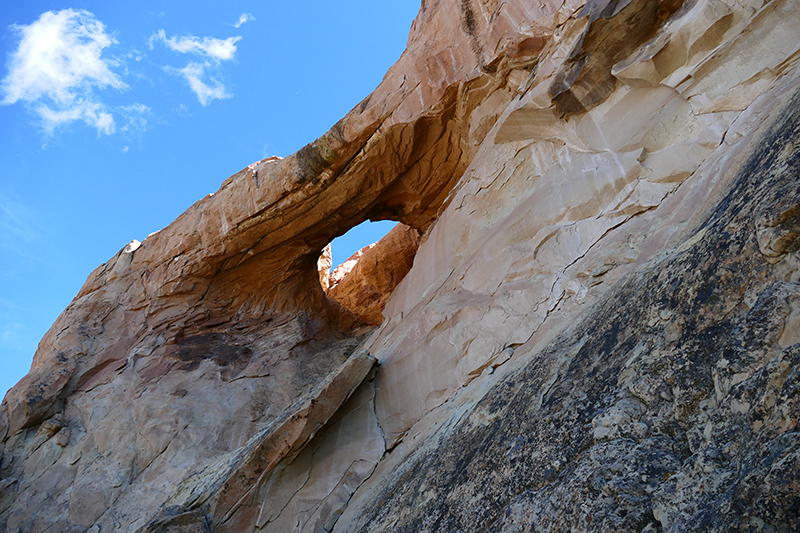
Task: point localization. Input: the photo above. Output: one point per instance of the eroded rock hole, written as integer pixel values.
(381, 254)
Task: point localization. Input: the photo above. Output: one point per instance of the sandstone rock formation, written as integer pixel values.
(600, 330)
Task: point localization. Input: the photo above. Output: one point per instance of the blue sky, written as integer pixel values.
(116, 117)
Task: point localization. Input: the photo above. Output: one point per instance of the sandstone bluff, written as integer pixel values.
(588, 321)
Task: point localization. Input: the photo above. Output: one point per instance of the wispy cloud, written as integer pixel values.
(209, 47)
(212, 52)
(57, 67)
(194, 74)
(137, 118)
(244, 17)
(17, 226)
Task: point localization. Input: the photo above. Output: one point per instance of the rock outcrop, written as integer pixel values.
(600, 330)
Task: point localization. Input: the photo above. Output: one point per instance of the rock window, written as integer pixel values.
(364, 280)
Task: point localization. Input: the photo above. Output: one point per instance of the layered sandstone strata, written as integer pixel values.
(599, 331)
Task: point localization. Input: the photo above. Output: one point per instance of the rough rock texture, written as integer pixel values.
(364, 283)
(600, 330)
(672, 404)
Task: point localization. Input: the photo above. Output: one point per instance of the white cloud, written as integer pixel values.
(194, 74)
(92, 113)
(217, 49)
(135, 54)
(57, 66)
(212, 50)
(244, 17)
(136, 117)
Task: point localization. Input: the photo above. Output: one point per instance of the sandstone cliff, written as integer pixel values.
(600, 330)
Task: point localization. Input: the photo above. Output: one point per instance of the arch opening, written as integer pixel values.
(365, 234)
(373, 258)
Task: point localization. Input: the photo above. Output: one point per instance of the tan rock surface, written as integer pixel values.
(526, 230)
(601, 187)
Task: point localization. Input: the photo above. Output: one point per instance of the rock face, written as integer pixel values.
(600, 330)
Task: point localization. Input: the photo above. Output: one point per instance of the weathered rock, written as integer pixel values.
(225, 490)
(324, 264)
(133, 443)
(364, 283)
(670, 405)
(310, 491)
(552, 210)
(599, 331)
